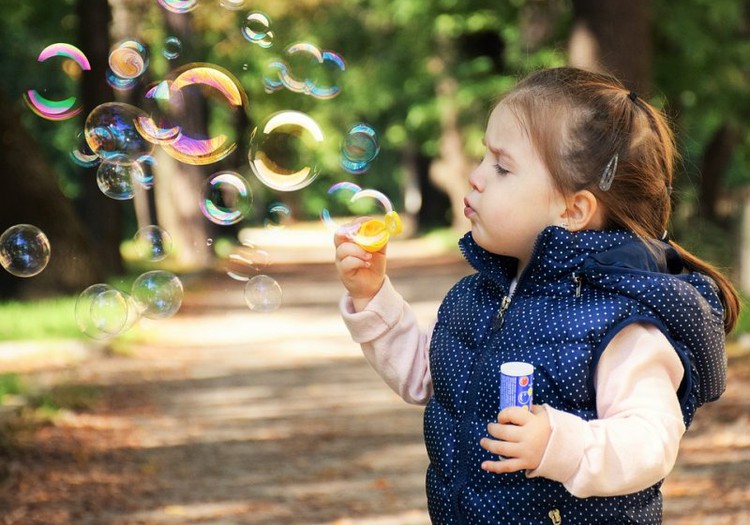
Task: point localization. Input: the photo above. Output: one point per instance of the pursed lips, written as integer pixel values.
(468, 209)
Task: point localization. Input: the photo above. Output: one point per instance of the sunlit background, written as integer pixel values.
(172, 175)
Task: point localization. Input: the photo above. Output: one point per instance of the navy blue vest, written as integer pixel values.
(577, 292)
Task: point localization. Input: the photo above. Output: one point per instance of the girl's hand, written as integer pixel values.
(522, 438)
(361, 272)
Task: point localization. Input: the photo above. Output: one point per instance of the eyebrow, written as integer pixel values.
(500, 152)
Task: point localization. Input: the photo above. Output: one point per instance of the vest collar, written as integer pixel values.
(558, 253)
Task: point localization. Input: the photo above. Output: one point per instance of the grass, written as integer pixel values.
(35, 320)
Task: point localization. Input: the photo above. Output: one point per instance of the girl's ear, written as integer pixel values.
(583, 212)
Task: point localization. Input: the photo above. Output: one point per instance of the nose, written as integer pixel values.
(475, 178)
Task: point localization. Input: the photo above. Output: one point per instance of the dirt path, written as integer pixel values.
(228, 417)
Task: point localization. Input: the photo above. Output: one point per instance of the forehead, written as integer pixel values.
(505, 129)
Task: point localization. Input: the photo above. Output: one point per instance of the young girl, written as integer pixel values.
(574, 274)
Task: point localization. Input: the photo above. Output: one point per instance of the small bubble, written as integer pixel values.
(172, 47)
(152, 243)
(262, 294)
(226, 198)
(158, 294)
(24, 250)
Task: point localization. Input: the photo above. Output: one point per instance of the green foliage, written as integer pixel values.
(10, 385)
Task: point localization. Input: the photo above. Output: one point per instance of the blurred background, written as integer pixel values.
(389, 96)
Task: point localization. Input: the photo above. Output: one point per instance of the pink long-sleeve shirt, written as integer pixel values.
(633, 443)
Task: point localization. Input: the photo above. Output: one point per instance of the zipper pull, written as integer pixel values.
(578, 280)
(498, 321)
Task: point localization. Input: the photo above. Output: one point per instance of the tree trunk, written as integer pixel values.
(613, 36)
(101, 215)
(34, 197)
(177, 186)
(716, 160)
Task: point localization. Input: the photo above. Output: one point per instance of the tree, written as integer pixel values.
(35, 198)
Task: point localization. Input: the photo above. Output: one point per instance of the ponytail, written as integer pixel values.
(727, 293)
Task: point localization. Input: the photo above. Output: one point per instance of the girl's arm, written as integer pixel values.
(392, 342)
(635, 441)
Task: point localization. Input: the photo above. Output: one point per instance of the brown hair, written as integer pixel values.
(578, 121)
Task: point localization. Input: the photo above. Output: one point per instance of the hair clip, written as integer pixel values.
(608, 174)
(633, 95)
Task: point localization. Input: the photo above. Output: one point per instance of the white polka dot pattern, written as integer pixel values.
(569, 302)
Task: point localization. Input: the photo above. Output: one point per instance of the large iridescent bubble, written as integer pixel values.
(262, 294)
(213, 83)
(103, 312)
(57, 109)
(284, 150)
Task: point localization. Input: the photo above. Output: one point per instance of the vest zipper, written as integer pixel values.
(578, 281)
(499, 318)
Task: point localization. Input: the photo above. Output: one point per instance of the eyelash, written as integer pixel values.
(500, 170)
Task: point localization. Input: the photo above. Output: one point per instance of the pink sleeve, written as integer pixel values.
(635, 441)
(392, 342)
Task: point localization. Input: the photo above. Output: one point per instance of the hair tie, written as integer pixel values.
(632, 95)
(608, 174)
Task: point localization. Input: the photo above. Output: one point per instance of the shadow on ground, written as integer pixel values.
(223, 417)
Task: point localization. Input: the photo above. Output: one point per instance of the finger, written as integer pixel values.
(503, 466)
(514, 416)
(505, 449)
(352, 264)
(505, 432)
(350, 249)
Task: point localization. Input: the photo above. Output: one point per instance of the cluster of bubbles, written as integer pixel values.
(306, 70)
(102, 311)
(284, 154)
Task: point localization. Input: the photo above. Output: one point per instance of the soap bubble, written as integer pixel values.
(246, 261)
(337, 211)
(256, 30)
(379, 231)
(179, 6)
(102, 312)
(161, 105)
(24, 250)
(215, 84)
(232, 5)
(263, 294)
(284, 149)
(225, 198)
(128, 59)
(83, 156)
(172, 47)
(308, 70)
(359, 148)
(54, 109)
(152, 243)
(119, 83)
(115, 177)
(277, 216)
(158, 294)
(111, 132)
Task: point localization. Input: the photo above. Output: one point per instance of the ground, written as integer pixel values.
(229, 417)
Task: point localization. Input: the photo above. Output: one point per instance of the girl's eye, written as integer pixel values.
(500, 170)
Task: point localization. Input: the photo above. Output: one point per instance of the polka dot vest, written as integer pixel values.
(577, 292)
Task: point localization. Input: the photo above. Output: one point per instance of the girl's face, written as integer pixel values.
(512, 196)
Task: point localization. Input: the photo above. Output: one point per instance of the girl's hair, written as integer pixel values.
(578, 121)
